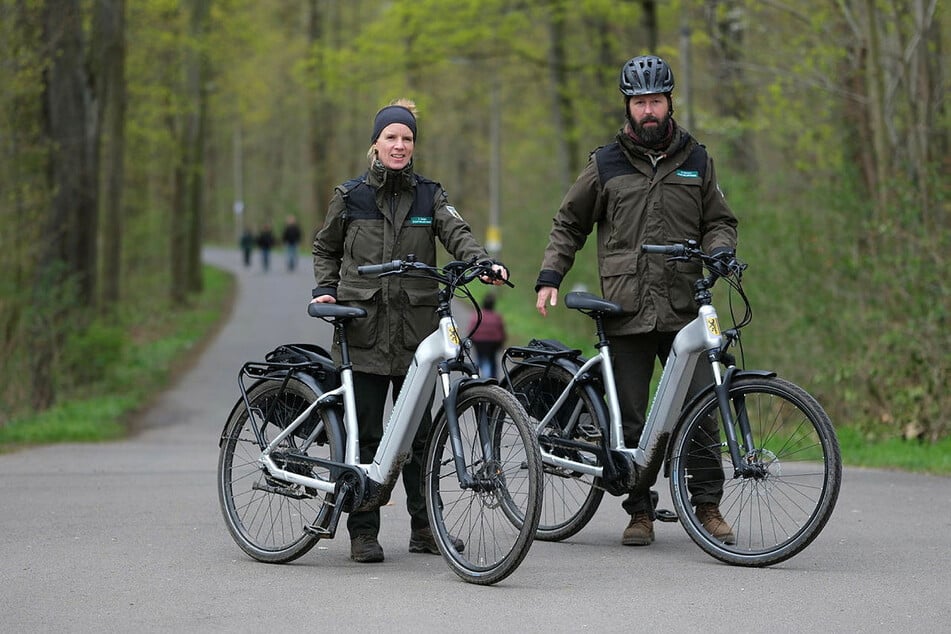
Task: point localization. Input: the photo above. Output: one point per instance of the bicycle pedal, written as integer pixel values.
(319, 531)
(665, 515)
(589, 432)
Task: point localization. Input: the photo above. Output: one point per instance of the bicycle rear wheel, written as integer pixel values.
(265, 516)
(781, 509)
(571, 498)
(496, 518)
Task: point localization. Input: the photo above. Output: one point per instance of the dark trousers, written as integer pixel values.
(634, 358)
(370, 394)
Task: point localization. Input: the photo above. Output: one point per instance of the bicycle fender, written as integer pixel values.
(333, 415)
(728, 378)
(568, 364)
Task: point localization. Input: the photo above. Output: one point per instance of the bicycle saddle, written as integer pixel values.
(335, 311)
(582, 300)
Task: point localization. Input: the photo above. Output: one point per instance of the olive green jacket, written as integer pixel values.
(640, 205)
(400, 308)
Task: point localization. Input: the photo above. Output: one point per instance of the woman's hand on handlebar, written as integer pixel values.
(497, 277)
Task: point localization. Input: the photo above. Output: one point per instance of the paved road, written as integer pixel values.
(127, 536)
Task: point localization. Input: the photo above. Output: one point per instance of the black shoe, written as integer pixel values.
(365, 549)
(422, 540)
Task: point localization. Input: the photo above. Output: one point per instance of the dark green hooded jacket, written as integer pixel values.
(375, 219)
(630, 202)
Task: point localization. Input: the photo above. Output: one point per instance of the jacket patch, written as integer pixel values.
(688, 173)
(421, 220)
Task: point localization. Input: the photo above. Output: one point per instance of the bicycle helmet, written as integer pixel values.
(646, 75)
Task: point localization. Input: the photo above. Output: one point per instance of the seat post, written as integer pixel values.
(340, 334)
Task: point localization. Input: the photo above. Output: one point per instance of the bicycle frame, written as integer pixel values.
(701, 336)
(407, 412)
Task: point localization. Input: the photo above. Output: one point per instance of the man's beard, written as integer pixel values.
(654, 135)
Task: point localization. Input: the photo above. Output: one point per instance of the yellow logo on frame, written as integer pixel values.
(453, 336)
(713, 325)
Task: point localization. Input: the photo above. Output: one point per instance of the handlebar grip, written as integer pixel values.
(379, 269)
(666, 249)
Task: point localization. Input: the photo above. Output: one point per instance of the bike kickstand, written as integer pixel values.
(329, 528)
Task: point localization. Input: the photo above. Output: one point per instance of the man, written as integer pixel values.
(654, 185)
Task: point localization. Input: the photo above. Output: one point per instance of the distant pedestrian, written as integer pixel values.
(488, 338)
(266, 243)
(247, 246)
(291, 238)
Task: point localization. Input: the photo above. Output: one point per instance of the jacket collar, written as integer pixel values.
(390, 180)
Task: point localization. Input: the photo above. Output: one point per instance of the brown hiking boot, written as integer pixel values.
(640, 532)
(709, 516)
(422, 540)
(365, 549)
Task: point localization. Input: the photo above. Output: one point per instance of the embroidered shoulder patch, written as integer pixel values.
(452, 211)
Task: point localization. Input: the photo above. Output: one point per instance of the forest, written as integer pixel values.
(132, 133)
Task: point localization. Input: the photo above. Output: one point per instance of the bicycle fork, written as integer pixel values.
(744, 465)
(486, 480)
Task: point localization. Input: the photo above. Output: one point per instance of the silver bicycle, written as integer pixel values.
(775, 444)
(289, 452)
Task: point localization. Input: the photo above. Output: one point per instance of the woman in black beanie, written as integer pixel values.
(386, 214)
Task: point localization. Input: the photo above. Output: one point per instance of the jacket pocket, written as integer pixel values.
(419, 315)
(620, 281)
(681, 277)
(362, 333)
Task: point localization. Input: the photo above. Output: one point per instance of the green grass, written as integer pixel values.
(104, 414)
(523, 323)
(147, 359)
(895, 453)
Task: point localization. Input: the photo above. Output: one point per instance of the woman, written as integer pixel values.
(385, 214)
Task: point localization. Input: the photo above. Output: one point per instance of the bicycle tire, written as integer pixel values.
(777, 515)
(267, 517)
(570, 498)
(497, 525)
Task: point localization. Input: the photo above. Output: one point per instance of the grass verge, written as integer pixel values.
(108, 411)
(158, 351)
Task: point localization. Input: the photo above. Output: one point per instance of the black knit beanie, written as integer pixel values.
(393, 114)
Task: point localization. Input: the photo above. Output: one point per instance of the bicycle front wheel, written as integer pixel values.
(496, 513)
(571, 498)
(779, 508)
(265, 516)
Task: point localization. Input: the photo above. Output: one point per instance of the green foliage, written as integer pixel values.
(850, 296)
(865, 450)
(121, 367)
(91, 354)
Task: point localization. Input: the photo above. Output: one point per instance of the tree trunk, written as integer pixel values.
(198, 77)
(73, 135)
(649, 20)
(875, 93)
(186, 216)
(63, 250)
(108, 55)
(725, 20)
(561, 102)
(321, 122)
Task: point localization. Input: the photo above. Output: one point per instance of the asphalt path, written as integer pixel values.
(128, 536)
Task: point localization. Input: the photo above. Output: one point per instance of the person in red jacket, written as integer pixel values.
(488, 338)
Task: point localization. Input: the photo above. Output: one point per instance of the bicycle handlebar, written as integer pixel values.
(454, 274)
(379, 269)
(676, 250)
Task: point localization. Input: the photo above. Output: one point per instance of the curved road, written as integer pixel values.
(127, 536)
